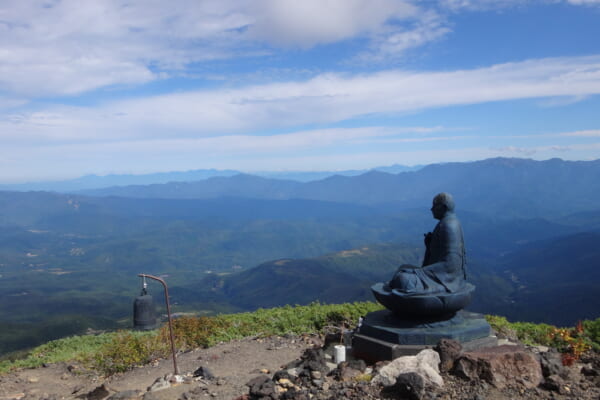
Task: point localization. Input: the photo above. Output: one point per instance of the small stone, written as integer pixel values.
(264, 371)
(286, 383)
(551, 363)
(261, 386)
(33, 379)
(159, 384)
(77, 389)
(204, 372)
(280, 390)
(101, 392)
(220, 382)
(315, 374)
(331, 365)
(589, 371)
(554, 383)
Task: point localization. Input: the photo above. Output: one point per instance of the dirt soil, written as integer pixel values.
(233, 364)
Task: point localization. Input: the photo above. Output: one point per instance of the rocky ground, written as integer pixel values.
(300, 368)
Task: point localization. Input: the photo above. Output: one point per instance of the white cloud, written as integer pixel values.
(584, 2)
(66, 47)
(308, 23)
(428, 28)
(324, 99)
(586, 133)
(482, 5)
(515, 151)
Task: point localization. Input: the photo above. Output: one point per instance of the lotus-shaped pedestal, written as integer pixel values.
(422, 305)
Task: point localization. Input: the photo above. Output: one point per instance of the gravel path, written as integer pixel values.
(233, 364)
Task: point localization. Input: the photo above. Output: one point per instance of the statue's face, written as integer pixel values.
(438, 210)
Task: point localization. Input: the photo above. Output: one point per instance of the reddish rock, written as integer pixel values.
(449, 351)
(501, 366)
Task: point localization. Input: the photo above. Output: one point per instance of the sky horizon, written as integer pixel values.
(135, 87)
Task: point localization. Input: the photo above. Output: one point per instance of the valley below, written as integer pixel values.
(69, 261)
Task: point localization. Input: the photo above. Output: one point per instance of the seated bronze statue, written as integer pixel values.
(439, 285)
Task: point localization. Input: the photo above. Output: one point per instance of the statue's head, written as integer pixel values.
(442, 203)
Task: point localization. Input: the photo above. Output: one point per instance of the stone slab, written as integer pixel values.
(462, 327)
(373, 350)
(384, 336)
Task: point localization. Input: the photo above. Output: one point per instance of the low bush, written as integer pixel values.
(592, 331)
(571, 342)
(126, 349)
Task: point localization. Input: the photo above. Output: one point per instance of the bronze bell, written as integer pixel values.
(144, 311)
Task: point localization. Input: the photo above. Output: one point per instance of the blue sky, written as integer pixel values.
(116, 86)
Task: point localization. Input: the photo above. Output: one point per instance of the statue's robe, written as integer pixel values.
(443, 268)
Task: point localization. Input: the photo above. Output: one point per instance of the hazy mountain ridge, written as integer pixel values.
(87, 182)
(500, 186)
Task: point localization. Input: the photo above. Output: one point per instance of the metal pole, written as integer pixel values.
(169, 316)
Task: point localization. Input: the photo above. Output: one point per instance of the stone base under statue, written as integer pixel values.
(384, 336)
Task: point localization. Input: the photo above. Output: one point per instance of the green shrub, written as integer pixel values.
(75, 348)
(192, 332)
(128, 349)
(592, 331)
(534, 334)
(526, 332)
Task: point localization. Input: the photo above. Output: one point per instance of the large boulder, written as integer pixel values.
(425, 364)
(501, 366)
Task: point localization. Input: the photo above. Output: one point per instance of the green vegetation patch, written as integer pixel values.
(571, 342)
(119, 351)
(75, 348)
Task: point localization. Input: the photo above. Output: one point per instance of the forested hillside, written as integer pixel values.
(69, 262)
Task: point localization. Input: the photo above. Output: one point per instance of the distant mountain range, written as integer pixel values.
(502, 187)
(88, 182)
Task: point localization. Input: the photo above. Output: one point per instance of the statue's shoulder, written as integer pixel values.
(450, 222)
